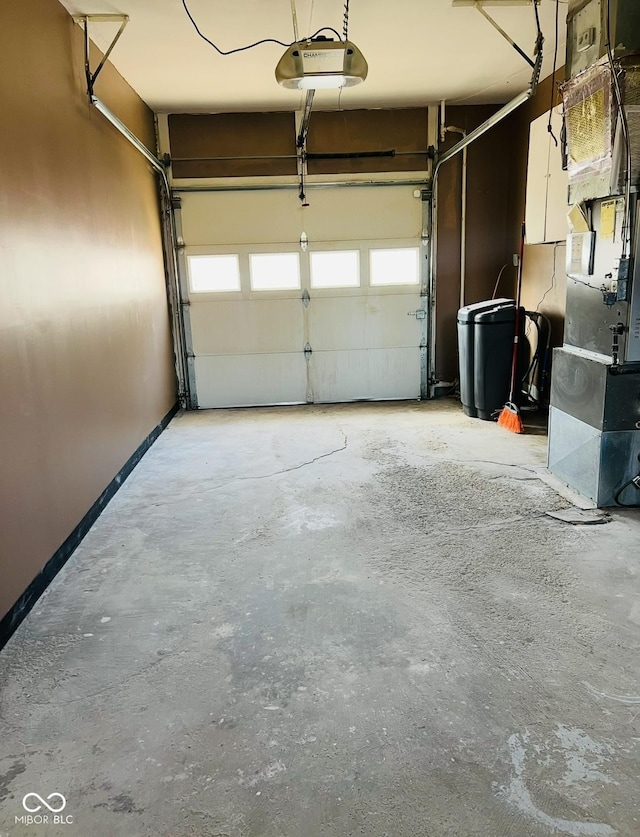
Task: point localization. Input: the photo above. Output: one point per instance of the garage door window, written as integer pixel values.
(214, 273)
(336, 269)
(400, 266)
(274, 271)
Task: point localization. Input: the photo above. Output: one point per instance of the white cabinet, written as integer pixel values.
(547, 183)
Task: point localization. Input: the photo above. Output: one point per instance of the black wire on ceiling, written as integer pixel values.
(256, 43)
(324, 29)
(229, 51)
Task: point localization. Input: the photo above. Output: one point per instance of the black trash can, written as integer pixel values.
(483, 340)
(493, 352)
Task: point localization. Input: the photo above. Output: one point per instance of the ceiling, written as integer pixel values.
(419, 51)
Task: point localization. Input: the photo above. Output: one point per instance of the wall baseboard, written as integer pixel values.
(12, 620)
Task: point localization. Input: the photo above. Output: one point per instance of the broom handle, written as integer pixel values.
(514, 357)
(520, 258)
(516, 336)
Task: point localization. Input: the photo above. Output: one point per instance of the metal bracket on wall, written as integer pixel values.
(478, 5)
(84, 21)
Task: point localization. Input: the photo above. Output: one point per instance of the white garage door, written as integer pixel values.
(275, 323)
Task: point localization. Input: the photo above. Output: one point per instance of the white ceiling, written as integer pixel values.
(419, 51)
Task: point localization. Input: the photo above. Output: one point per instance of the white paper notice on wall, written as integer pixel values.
(547, 183)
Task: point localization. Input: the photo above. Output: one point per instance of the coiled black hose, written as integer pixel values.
(633, 481)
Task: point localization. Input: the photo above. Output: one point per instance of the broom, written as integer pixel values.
(510, 417)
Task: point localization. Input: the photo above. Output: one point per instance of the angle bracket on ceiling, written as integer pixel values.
(84, 21)
(478, 4)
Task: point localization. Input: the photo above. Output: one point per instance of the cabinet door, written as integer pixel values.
(547, 183)
(556, 226)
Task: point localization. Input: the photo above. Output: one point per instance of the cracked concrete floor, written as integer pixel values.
(332, 621)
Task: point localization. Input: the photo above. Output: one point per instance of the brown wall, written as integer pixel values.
(496, 187)
(400, 130)
(490, 241)
(250, 135)
(86, 367)
(257, 136)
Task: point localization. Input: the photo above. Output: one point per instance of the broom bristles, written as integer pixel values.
(510, 418)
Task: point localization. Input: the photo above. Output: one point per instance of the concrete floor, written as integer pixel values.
(332, 621)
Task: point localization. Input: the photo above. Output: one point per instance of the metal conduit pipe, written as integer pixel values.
(133, 139)
(234, 158)
(312, 155)
(348, 155)
(452, 129)
(498, 116)
(463, 233)
(170, 243)
(282, 187)
(472, 136)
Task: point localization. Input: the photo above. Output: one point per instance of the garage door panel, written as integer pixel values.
(247, 326)
(268, 217)
(249, 340)
(365, 374)
(388, 212)
(365, 322)
(250, 381)
(223, 218)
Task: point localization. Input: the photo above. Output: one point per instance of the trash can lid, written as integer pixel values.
(469, 313)
(504, 314)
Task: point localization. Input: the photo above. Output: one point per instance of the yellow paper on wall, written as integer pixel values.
(608, 219)
(577, 219)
